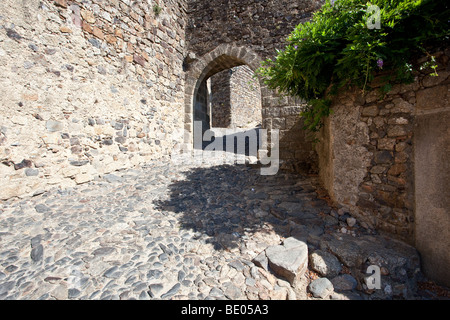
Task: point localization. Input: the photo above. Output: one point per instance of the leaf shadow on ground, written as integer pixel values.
(230, 203)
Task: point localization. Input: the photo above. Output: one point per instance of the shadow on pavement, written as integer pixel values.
(230, 206)
(229, 203)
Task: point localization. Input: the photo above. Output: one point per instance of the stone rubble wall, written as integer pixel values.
(236, 99)
(431, 154)
(380, 160)
(262, 25)
(221, 99)
(245, 99)
(296, 145)
(87, 87)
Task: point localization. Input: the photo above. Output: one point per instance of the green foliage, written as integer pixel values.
(157, 10)
(337, 49)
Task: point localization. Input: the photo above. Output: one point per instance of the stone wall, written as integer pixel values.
(235, 33)
(245, 98)
(385, 161)
(235, 99)
(262, 25)
(87, 87)
(296, 145)
(431, 154)
(221, 99)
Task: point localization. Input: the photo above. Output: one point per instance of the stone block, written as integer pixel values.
(386, 144)
(344, 282)
(30, 97)
(397, 169)
(88, 16)
(397, 131)
(371, 111)
(139, 59)
(98, 33)
(54, 126)
(279, 123)
(10, 190)
(431, 81)
(326, 264)
(87, 27)
(110, 39)
(29, 172)
(65, 29)
(433, 98)
(70, 172)
(271, 112)
(23, 164)
(79, 163)
(321, 288)
(383, 157)
(350, 255)
(401, 106)
(61, 3)
(83, 178)
(288, 260)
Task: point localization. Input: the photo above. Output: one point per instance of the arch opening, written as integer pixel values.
(279, 114)
(225, 94)
(228, 103)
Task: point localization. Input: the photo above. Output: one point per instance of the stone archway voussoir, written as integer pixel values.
(189, 87)
(221, 50)
(234, 51)
(254, 64)
(242, 53)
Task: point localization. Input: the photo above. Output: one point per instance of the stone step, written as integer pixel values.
(342, 262)
(288, 260)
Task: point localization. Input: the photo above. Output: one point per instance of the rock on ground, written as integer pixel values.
(325, 263)
(321, 288)
(288, 260)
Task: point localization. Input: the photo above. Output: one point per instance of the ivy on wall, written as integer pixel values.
(348, 42)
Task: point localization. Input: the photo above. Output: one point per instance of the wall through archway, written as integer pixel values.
(235, 99)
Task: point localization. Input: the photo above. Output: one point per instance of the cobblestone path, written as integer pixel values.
(181, 232)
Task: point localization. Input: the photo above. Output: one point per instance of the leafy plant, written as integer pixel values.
(337, 49)
(157, 9)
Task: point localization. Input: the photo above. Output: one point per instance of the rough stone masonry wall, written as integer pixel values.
(368, 154)
(260, 27)
(86, 87)
(236, 99)
(431, 143)
(245, 98)
(221, 99)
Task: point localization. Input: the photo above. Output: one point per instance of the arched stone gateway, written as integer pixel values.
(224, 57)
(281, 113)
